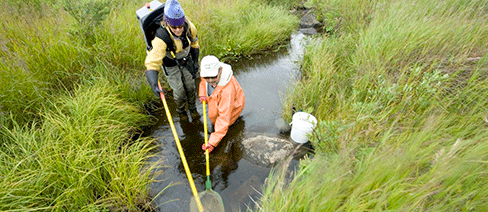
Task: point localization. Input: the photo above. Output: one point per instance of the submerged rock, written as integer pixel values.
(266, 151)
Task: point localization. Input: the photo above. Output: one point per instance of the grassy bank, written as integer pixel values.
(78, 157)
(232, 29)
(73, 96)
(400, 90)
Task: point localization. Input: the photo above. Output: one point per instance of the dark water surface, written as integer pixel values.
(264, 80)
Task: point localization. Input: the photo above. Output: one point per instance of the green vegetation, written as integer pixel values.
(79, 158)
(400, 90)
(399, 87)
(232, 29)
(73, 96)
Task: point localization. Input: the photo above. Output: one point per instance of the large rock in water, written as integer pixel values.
(266, 151)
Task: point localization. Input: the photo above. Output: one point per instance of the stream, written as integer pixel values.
(264, 79)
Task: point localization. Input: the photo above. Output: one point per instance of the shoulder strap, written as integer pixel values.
(163, 34)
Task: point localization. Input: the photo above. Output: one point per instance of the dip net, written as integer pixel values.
(211, 202)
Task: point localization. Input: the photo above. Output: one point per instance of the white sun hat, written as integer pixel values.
(209, 66)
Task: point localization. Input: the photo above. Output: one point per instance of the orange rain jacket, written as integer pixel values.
(224, 105)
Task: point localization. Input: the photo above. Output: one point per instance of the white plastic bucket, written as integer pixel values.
(302, 125)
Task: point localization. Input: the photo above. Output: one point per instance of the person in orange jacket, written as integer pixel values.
(223, 95)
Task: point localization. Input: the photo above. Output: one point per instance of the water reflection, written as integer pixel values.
(227, 154)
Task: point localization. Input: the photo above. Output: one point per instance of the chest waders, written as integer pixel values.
(170, 60)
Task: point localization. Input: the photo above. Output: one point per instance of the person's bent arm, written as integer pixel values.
(222, 122)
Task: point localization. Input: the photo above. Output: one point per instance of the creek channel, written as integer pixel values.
(264, 80)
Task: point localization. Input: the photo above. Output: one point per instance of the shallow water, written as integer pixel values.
(264, 80)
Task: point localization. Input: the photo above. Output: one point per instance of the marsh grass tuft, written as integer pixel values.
(232, 29)
(80, 156)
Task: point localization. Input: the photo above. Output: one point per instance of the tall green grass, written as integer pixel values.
(428, 170)
(353, 78)
(37, 57)
(399, 89)
(346, 17)
(232, 29)
(79, 158)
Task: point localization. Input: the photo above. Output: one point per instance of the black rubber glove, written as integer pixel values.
(152, 78)
(195, 53)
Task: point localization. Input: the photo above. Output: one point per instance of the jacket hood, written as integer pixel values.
(226, 74)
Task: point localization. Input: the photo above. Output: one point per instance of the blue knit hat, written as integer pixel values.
(173, 13)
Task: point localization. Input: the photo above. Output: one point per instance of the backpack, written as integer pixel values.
(150, 17)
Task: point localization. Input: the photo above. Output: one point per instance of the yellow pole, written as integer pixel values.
(180, 150)
(206, 137)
